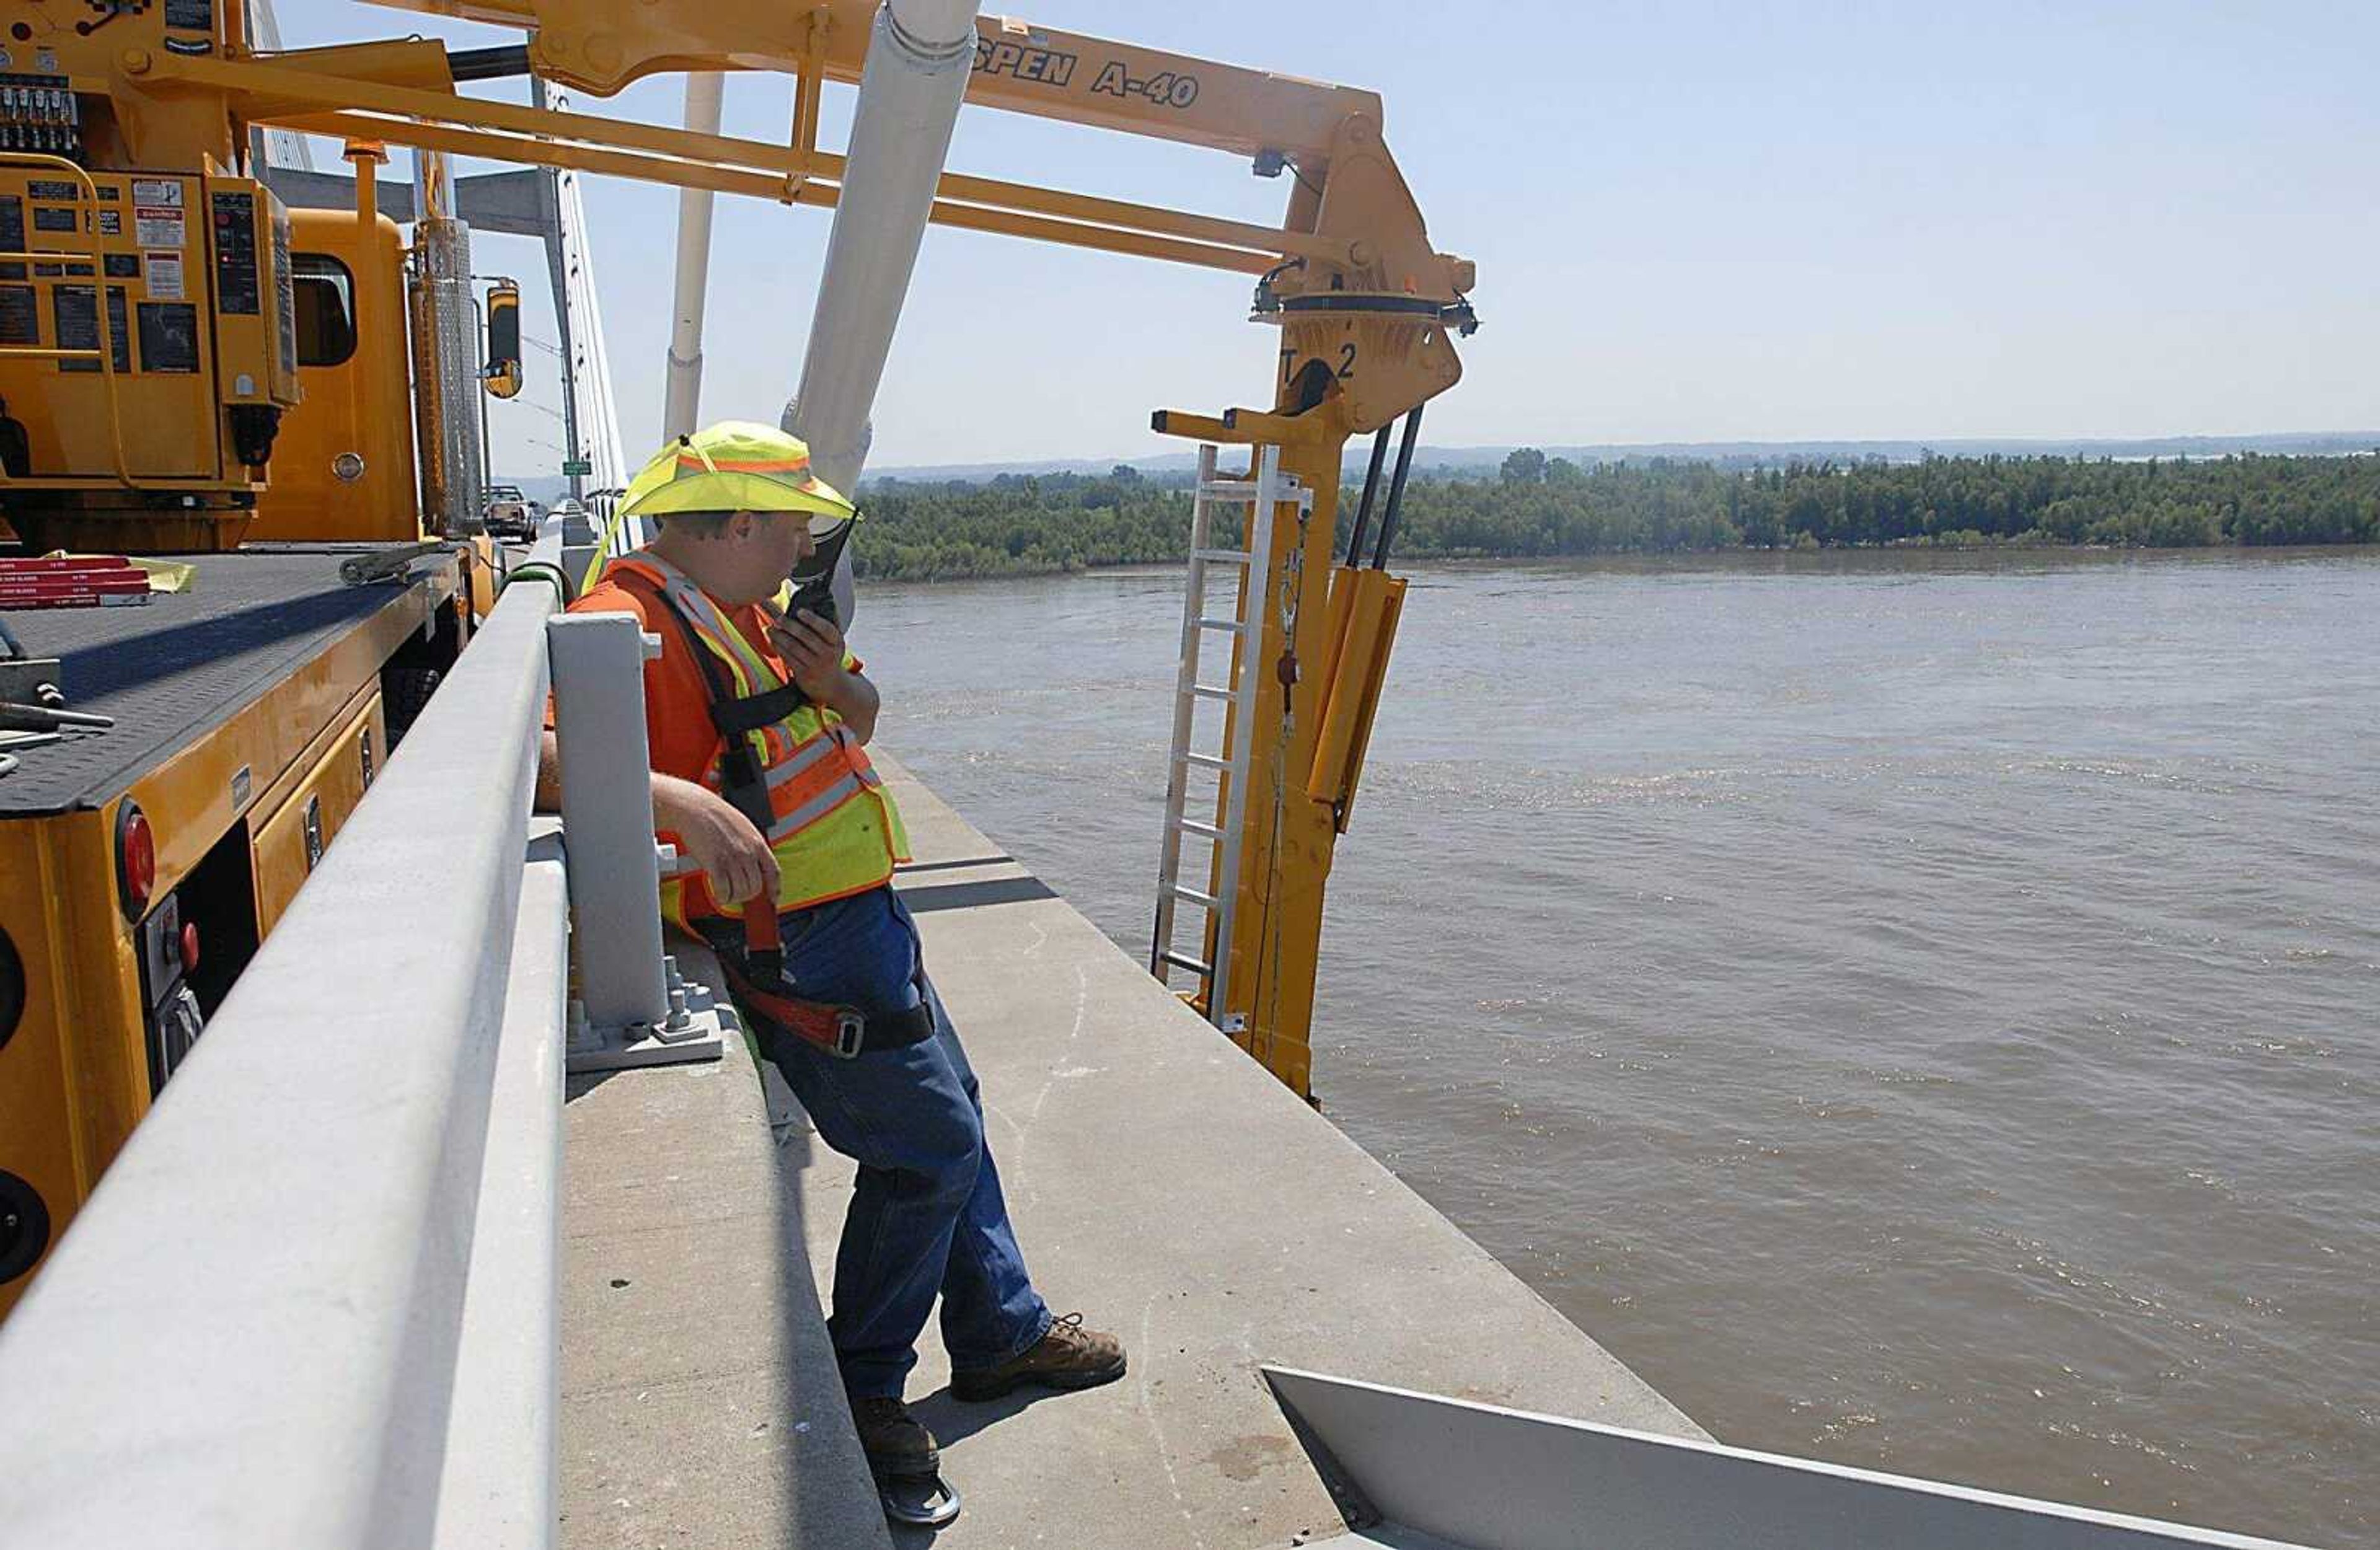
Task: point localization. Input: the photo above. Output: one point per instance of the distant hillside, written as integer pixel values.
(1770, 455)
(1722, 454)
(1540, 507)
(544, 488)
(1730, 455)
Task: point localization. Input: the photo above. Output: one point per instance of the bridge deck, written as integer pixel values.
(175, 671)
(1161, 1182)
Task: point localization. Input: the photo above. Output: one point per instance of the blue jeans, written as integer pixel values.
(926, 1215)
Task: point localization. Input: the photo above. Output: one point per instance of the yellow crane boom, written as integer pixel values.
(1367, 308)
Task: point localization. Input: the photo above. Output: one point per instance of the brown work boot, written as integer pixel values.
(896, 1443)
(1068, 1357)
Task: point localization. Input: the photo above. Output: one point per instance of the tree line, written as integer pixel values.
(1540, 507)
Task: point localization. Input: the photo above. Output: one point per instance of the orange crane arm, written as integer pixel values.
(1368, 311)
(601, 46)
(1353, 244)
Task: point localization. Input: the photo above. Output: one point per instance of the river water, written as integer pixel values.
(1921, 1011)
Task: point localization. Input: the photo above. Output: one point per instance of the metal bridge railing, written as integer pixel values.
(313, 1303)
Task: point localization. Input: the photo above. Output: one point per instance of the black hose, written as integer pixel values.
(1397, 488)
(539, 570)
(1371, 488)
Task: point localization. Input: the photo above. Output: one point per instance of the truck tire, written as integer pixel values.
(24, 1227)
(404, 693)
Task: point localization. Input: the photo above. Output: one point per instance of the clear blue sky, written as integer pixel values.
(1693, 222)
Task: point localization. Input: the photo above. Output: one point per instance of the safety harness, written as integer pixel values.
(754, 960)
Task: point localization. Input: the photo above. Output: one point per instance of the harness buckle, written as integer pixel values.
(850, 1034)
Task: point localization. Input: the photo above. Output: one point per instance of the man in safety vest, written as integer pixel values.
(758, 723)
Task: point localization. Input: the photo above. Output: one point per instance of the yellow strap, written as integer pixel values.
(718, 632)
(603, 549)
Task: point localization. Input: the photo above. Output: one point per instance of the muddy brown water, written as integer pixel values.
(1921, 1011)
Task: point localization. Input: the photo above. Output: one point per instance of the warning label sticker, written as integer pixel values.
(156, 226)
(157, 190)
(164, 276)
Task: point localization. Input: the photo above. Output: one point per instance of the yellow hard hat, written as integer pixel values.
(730, 466)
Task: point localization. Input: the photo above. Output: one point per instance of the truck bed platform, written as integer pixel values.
(175, 668)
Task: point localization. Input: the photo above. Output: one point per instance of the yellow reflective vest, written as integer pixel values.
(834, 827)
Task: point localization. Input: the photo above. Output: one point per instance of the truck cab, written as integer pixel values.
(239, 705)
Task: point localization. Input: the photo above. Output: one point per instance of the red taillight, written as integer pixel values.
(136, 858)
(190, 946)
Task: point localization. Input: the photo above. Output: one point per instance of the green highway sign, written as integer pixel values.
(576, 465)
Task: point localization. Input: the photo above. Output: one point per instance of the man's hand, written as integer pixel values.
(813, 652)
(733, 854)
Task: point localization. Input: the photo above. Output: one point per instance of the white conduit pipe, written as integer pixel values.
(919, 56)
(682, 399)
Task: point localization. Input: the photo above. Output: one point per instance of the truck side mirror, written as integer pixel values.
(503, 373)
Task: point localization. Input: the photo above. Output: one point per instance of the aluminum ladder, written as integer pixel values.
(1261, 495)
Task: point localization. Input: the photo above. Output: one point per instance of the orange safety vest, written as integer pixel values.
(833, 825)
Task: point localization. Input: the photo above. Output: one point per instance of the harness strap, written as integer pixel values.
(734, 718)
(755, 967)
(742, 779)
(756, 976)
(842, 1032)
(764, 950)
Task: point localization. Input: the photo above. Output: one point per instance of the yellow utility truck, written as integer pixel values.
(186, 368)
(237, 406)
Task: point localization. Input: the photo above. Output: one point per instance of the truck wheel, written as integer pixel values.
(403, 692)
(24, 1227)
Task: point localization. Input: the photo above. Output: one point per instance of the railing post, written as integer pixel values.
(633, 1008)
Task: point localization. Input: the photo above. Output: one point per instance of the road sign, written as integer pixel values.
(576, 465)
